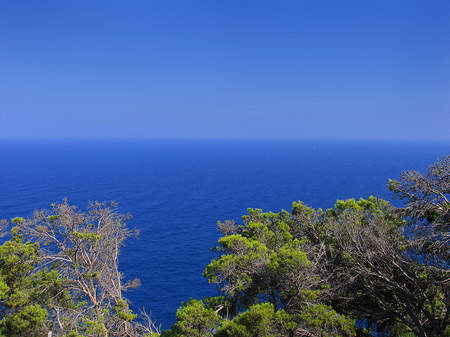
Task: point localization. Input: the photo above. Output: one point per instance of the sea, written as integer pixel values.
(177, 190)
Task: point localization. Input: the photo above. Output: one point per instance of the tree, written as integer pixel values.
(268, 281)
(427, 209)
(20, 315)
(378, 279)
(427, 205)
(83, 248)
(26, 294)
(351, 262)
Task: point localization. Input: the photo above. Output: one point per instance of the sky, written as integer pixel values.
(225, 69)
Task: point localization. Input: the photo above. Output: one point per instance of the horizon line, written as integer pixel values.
(89, 138)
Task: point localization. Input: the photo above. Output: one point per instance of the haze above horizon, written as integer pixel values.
(234, 69)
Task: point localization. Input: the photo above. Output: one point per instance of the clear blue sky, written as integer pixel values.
(225, 69)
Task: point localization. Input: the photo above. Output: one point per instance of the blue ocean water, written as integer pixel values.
(176, 191)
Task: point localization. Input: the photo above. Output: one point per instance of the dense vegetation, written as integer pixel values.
(361, 268)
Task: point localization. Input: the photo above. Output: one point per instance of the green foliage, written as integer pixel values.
(289, 259)
(123, 311)
(17, 220)
(322, 320)
(236, 270)
(259, 320)
(22, 294)
(94, 326)
(194, 319)
(86, 236)
(28, 320)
